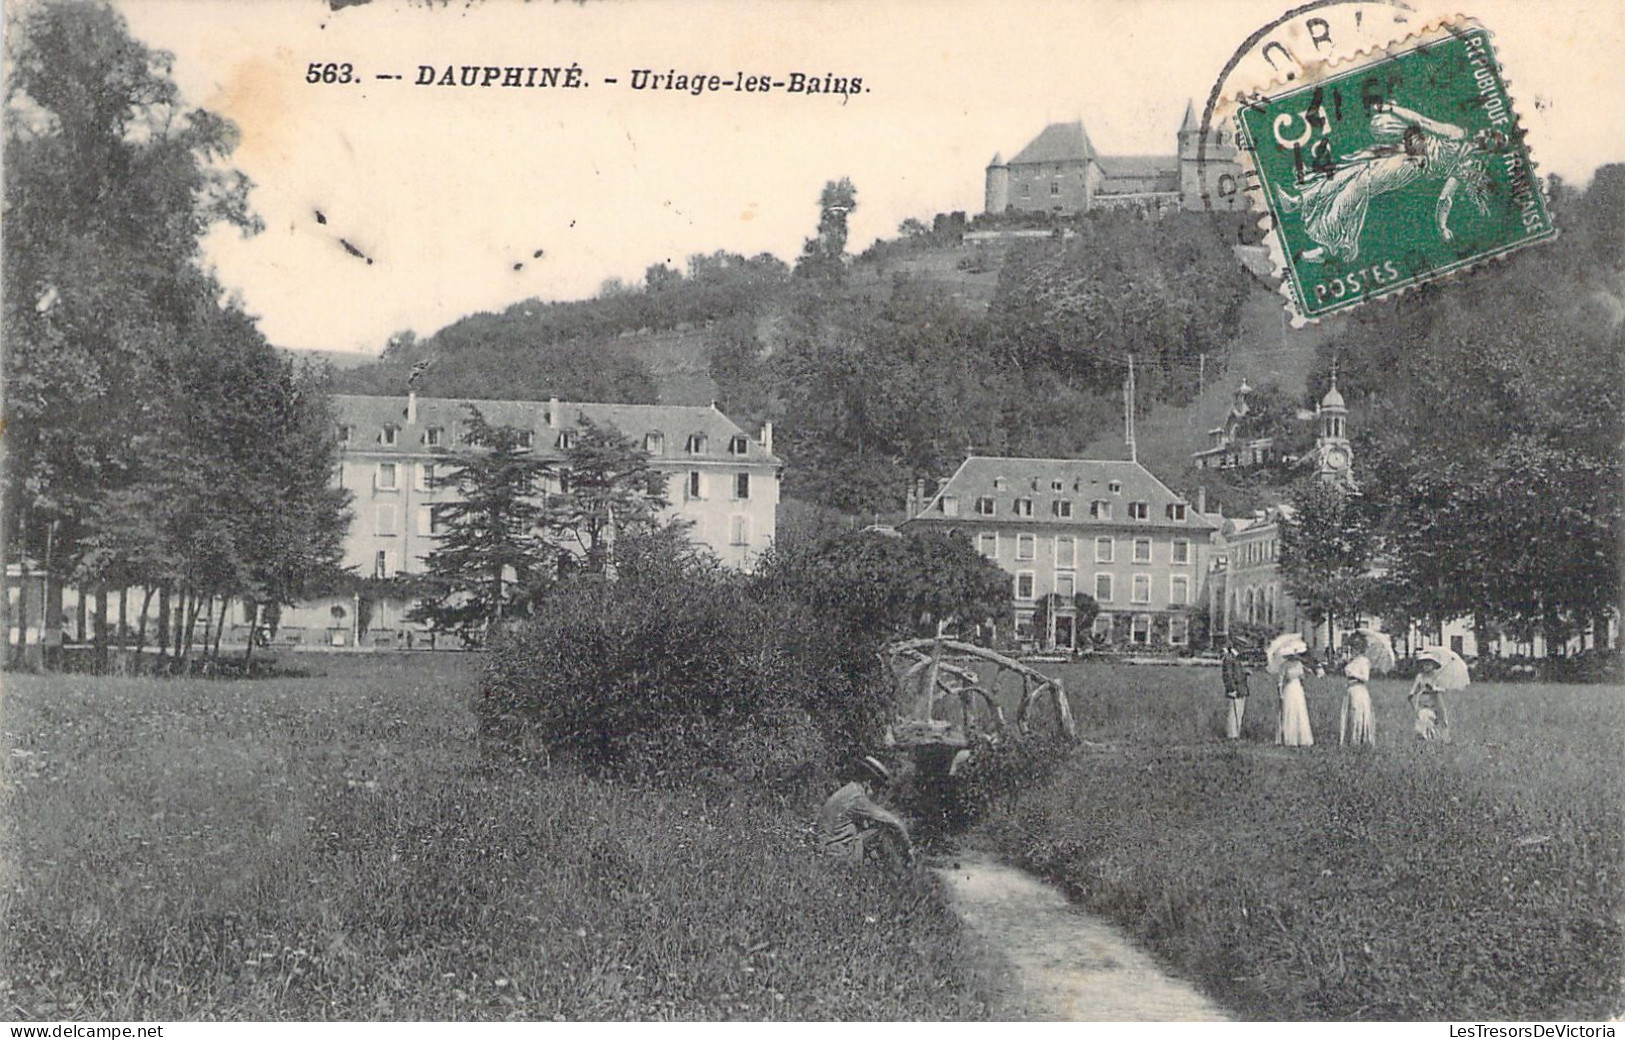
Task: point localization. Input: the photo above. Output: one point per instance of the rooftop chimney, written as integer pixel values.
(553, 412)
(411, 407)
(767, 437)
(1201, 500)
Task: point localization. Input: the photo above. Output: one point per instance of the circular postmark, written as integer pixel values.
(1278, 51)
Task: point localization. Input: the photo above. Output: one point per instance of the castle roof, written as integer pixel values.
(1189, 122)
(1161, 170)
(1060, 142)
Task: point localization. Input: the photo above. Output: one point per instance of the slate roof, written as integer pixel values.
(367, 415)
(1082, 481)
(1059, 142)
(1161, 170)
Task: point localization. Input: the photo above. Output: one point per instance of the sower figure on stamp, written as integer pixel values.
(1235, 691)
(851, 824)
(1410, 147)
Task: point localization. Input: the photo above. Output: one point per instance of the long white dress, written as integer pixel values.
(1359, 724)
(1294, 731)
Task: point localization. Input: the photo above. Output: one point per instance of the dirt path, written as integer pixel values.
(1072, 966)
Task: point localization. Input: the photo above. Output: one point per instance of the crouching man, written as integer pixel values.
(851, 825)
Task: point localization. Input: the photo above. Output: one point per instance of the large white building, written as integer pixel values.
(724, 482)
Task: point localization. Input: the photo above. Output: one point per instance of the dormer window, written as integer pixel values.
(654, 443)
(387, 437)
(1061, 508)
(949, 505)
(984, 506)
(526, 438)
(567, 439)
(1057, 485)
(344, 434)
(998, 483)
(1139, 510)
(1100, 509)
(1024, 507)
(1115, 487)
(738, 445)
(1175, 510)
(696, 444)
(432, 436)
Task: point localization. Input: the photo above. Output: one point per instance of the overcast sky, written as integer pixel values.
(447, 189)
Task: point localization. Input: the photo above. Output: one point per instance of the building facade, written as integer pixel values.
(1060, 527)
(724, 482)
(1060, 171)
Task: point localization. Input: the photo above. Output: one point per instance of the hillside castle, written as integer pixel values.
(1061, 172)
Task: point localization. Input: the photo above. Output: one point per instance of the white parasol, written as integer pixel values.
(1280, 648)
(1452, 673)
(1379, 649)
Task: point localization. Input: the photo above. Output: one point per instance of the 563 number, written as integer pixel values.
(330, 72)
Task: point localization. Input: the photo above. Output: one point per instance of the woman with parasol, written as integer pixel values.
(1442, 669)
(1373, 652)
(1285, 661)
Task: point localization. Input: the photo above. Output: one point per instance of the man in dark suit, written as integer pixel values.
(1235, 691)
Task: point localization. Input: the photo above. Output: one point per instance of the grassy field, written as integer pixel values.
(1480, 880)
(330, 848)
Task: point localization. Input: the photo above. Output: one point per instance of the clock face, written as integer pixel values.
(1337, 458)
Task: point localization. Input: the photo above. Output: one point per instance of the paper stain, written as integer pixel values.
(255, 97)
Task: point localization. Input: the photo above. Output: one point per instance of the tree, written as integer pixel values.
(491, 560)
(1326, 550)
(823, 257)
(879, 586)
(609, 490)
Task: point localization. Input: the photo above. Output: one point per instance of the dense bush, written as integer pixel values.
(681, 677)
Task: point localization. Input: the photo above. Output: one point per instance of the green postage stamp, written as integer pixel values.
(1390, 170)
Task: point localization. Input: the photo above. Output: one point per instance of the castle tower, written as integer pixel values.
(997, 194)
(1217, 160)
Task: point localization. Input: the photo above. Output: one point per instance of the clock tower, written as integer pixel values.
(1334, 457)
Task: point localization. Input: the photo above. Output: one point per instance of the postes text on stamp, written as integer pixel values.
(1390, 170)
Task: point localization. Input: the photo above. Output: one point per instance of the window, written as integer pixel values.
(1100, 510)
(739, 530)
(1024, 507)
(566, 441)
(984, 506)
(527, 439)
(1055, 187)
(1182, 551)
(1103, 588)
(1025, 544)
(1057, 485)
(388, 436)
(654, 443)
(1179, 630)
(738, 444)
(1102, 627)
(380, 564)
(344, 434)
(741, 485)
(998, 483)
(1142, 630)
(1142, 550)
(1061, 507)
(1105, 550)
(1142, 588)
(384, 520)
(949, 505)
(1024, 624)
(1179, 589)
(1139, 510)
(1066, 583)
(433, 436)
(1115, 487)
(425, 480)
(987, 543)
(1026, 190)
(696, 485)
(1066, 552)
(1175, 510)
(696, 444)
(385, 480)
(1024, 584)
